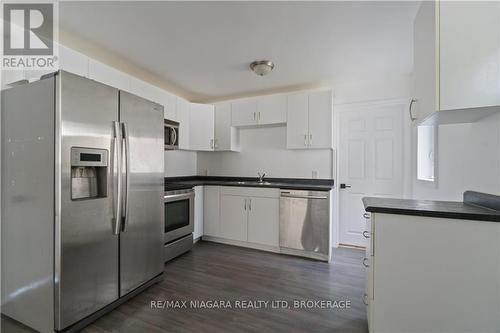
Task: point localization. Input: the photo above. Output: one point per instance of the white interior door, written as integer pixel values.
(370, 161)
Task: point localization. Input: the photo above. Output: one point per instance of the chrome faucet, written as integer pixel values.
(261, 177)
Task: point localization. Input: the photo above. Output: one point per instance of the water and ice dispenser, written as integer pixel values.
(89, 169)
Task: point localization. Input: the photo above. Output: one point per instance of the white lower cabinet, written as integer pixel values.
(211, 211)
(248, 217)
(262, 216)
(233, 217)
(198, 211)
(429, 274)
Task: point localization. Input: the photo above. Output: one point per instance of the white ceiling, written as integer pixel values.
(205, 48)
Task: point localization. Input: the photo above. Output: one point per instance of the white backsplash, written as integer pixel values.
(264, 150)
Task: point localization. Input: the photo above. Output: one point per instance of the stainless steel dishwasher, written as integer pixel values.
(305, 223)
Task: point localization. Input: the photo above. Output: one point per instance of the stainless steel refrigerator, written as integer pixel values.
(82, 200)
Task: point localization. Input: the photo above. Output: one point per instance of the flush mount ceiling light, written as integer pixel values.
(262, 67)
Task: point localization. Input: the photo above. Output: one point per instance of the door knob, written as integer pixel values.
(345, 186)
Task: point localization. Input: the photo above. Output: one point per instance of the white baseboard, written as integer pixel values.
(255, 246)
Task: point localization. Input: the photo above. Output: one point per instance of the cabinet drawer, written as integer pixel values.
(251, 191)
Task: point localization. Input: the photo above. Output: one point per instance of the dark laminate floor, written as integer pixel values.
(221, 272)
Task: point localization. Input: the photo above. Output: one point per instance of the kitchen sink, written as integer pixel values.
(253, 183)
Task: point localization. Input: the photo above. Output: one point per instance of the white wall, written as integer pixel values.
(264, 150)
(382, 88)
(180, 163)
(468, 158)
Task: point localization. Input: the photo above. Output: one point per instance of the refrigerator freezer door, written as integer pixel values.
(141, 239)
(86, 266)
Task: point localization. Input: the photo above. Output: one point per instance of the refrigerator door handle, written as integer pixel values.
(126, 141)
(117, 196)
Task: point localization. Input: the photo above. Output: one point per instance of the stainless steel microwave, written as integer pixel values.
(171, 129)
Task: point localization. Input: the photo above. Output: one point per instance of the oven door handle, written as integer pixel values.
(177, 197)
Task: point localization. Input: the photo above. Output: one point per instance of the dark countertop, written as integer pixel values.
(476, 206)
(176, 183)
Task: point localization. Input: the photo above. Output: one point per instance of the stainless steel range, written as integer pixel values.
(179, 222)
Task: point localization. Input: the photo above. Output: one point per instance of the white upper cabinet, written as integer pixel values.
(297, 126)
(110, 76)
(201, 127)
(271, 109)
(320, 119)
(184, 123)
(457, 61)
(74, 62)
(310, 120)
(226, 137)
(470, 54)
(263, 110)
(244, 112)
(169, 102)
(424, 59)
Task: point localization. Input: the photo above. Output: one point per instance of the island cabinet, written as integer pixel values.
(242, 216)
(432, 274)
(456, 61)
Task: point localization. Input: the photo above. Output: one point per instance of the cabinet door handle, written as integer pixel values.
(310, 139)
(254, 116)
(365, 299)
(305, 139)
(410, 110)
(249, 204)
(245, 204)
(259, 115)
(366, 234)
(366, 215)
(365, 260)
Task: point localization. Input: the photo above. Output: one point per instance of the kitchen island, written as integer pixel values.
(433, 265)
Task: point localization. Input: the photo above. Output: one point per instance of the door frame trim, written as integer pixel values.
(347, 107)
